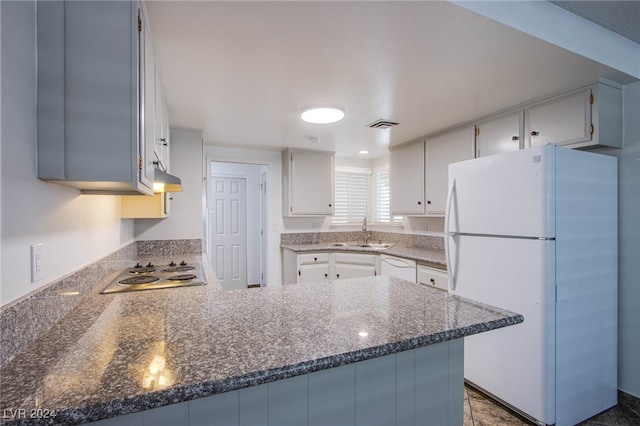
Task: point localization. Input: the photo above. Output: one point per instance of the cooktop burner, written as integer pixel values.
(143, 279)
(150, 277)
(179, 268)
(183, 277)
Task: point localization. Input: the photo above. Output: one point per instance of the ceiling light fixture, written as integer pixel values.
(322, 114)
(364, 151)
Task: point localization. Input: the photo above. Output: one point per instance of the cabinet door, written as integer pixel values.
(313, 272)
(348, 270)
(499, 135)
(148, 103)
(406, 179)
(311, 183)
(443, 150)
(563, 121)
(159, 123)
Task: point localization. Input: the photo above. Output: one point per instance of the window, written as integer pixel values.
(361, 193)
(352, 189)
(382, 198)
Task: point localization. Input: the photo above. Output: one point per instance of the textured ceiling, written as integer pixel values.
(622, 17)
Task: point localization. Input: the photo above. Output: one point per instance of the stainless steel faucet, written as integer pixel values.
(364, 230)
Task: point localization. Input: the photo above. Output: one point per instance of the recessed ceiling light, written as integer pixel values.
(364, 151)
(322, 114)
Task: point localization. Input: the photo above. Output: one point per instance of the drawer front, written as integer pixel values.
(433, 278)
(306, 258)
(362, 259)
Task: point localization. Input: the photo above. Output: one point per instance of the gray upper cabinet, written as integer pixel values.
(93, 101)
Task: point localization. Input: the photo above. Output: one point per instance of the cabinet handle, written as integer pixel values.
(432, 281)
(535, 133)
(315, 259)
(299, 273)
(156, 163)
(419, 203)
(326, 275)
(329, 205)
(428, 202)
(337, 275)
(515, 138)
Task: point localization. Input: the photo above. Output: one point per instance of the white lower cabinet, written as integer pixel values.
(305, 267)
(354, 265)
(433, 277)
(313, 272)
(320, 266)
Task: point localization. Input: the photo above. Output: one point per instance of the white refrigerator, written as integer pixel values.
(535, 232)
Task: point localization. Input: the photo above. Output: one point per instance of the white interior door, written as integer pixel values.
(228, 230)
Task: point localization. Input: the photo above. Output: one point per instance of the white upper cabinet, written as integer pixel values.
(583, 118)
(500, 134)
(565, 120)
(442, 150)
(406, 179)
(307, 178)
(92, 96)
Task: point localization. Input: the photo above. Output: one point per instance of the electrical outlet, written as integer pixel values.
(315, 226)
(36, 262)
(424, 227)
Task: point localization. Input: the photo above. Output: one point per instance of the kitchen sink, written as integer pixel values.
(376, 246)
(364, 245)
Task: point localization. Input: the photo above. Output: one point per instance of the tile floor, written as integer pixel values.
(479, 410)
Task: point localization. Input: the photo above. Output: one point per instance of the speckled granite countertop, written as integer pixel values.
(120, 353)
(433, 257)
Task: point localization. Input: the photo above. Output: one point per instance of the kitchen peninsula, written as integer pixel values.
(318, 353)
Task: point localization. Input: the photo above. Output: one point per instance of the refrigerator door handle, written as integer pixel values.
(448, 234)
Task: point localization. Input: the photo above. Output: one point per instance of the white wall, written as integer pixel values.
(185, 219)
(76, 229)
(251, 172)
(273, 161)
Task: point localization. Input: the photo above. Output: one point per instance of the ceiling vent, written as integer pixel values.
(382, 124)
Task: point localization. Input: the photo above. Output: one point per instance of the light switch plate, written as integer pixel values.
(36, 262)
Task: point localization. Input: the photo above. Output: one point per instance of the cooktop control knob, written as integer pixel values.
(149, 265)
(172, 263)
(138, 265)
(183, 263)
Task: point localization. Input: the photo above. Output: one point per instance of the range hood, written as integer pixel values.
(165, 182)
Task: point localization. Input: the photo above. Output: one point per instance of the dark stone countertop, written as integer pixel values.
(121, 353)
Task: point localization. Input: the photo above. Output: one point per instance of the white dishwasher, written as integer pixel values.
(398, 267)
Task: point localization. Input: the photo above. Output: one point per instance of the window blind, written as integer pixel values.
(382, 198)
(351, 201)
